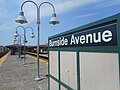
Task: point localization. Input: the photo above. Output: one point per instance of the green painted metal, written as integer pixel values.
(88, 49)
(78, 70)
(59, 69)
(61, 83)
(48, 72)
(118, 29)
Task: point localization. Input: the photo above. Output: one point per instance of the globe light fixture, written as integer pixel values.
(21, 18)
(54, 20)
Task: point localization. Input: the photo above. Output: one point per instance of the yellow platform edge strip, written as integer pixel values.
(2, 59)
(36, 54)
(44, 61)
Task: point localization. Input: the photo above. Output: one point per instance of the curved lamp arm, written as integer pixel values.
(24, 31)
(38, 9)
(32, 35)
(34, 4)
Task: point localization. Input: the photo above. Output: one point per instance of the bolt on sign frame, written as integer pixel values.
(102, 36)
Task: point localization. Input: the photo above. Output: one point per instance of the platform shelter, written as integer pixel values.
(87, 57)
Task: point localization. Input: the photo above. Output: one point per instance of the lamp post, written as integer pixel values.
(21, 19)
(25, 41)
(14, 40)
(19, 41)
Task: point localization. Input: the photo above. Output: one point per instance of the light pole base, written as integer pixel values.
(24, 63)
(38, 79)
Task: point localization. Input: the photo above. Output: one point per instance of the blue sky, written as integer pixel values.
(71, 14)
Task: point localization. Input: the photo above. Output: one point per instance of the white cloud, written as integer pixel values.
(108, 3)
(69, 4)
(61, 6)
(87, 15)
(7, 26)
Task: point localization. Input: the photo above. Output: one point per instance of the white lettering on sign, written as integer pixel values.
(90, 38)
(82, 39)
(95, 38)
(72, 40)
(105, 36)
(61, 42)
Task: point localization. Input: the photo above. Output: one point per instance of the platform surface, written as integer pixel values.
(16, 76)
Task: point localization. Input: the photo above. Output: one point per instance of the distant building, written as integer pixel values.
(43, 48)
(16, 47)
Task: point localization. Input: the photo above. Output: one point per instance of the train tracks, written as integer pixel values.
(43, 56)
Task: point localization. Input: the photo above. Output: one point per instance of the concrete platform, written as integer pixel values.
(16, 76)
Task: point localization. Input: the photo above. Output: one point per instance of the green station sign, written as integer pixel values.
(105, 35)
